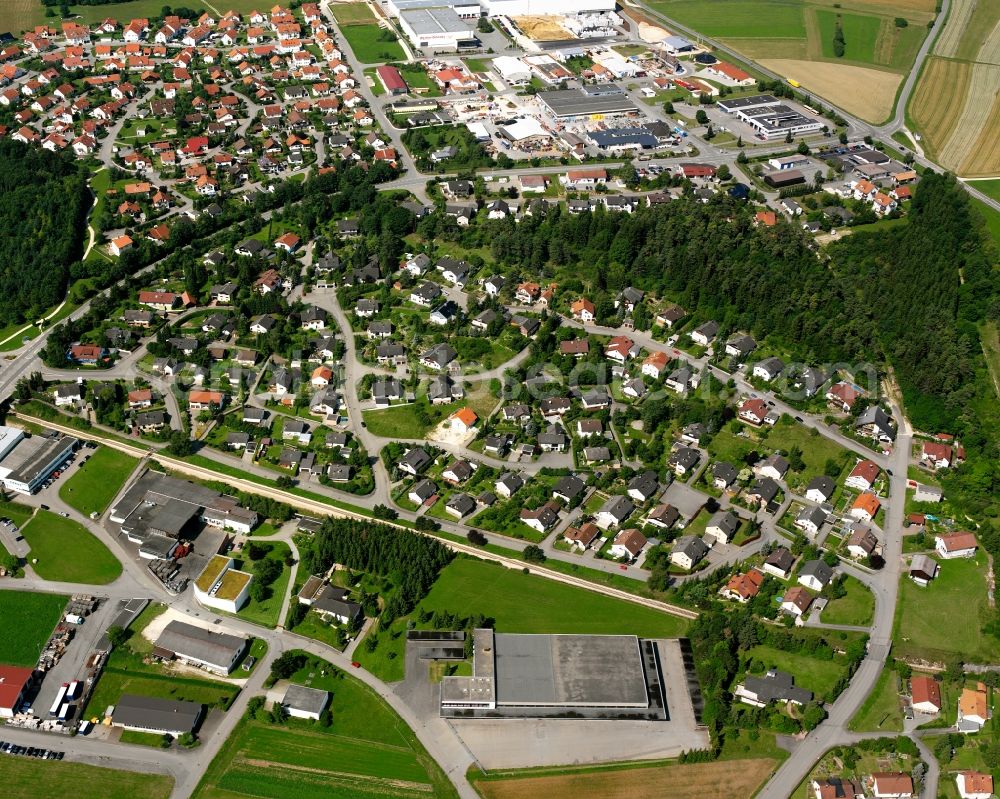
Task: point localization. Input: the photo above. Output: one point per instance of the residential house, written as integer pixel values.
(774, 686)
(815, 574)
(863, 475)
(796, 601)
(862, 543)
(925, 694)
(627, 544)
(779, 563)
(865, 507)
(820, 489)
(810, 520)
(614, 511)
(743, 587)
(723, 526)
(581, 537)
(723, 475)
(683, 460)
(541, 519)
(956, 545)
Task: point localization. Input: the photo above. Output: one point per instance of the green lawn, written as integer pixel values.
(414, 420)
(141, 738)
(860, 34)
(368, 752)
(814, 674)
(990, 215)
(313, 626)
(732, 19)
(991, 188)
(352, 13)
(881, 711)
(67, 552)
(266, 612)
(28, 778)
(925, 625)
(816, 449)
(365, 41)
(16, 512)
(116, 681)
(520, 603)
(857, 607)
(26, 622)
(98, 481)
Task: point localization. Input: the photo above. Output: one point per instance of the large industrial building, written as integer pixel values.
(590, 101)
(27, 461)
(769, 117)
(157, 511)
(583, 676)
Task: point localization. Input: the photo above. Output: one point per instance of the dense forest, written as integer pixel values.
(412, 561)
(43, 204)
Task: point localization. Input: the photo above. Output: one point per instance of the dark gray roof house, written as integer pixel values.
(568, 488)
(152, 714)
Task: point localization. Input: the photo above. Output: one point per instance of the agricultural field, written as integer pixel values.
(367, 752)
(26, 623)
(922, 626)
(19, 15)
(795, 38)
(367, 44)
(67, 552)
(719, 780)
(956, 105)
(519, 603)
(98, 481)
(28, 778)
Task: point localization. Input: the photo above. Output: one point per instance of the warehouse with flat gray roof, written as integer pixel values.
(583, 676)
(572, 103)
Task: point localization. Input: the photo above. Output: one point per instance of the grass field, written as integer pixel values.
(266, 612)
(406, 421)
(814, 674)
(364, 40)
(992, 219)
(738, 19)
(520, 603)
(857, 607)
(719, 780)
(97, 482)
(924, 625)
(352, 13)
(114, 682)
(67, 552)
(26, 622)
(27, 778)
(860, 34)
(991, 188)
(368, 752)
(881, 711)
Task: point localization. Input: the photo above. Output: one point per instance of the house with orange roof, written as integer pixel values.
(583, 309)
(200, 399)
(464, 420)
(766, 218)
(120, 244)
(865, 507)
(974, 785)
(321, 376)
(655, 364)
(743, 587)
(973, 709)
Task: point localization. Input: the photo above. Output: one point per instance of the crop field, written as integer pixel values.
(27, 778)
(922, 627)
(367, 753)
(366, 43)
(97, 482)
(26, 622)
(956, 105)
(719, 780)
(352, 13)
(521, 603)
(19, 15)
(795, 39)
(68, 552)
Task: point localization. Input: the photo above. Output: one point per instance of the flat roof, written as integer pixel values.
(215, 566)
(34, 457)
(431, 21)
(573, 102)
(582, 670)
(233, 582)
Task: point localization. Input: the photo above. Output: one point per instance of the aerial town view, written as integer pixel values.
(500, 399)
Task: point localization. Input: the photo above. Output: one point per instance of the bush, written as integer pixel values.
(902, 22)
(534, 554)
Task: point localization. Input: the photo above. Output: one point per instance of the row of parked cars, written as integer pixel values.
(30, 751)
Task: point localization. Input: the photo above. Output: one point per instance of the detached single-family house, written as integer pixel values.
(614, 511)
(956, 545)
(865, 507)
(627, 544)
(687, 551)
(743, 587)
(723, 526)
(815, 574)
(925, 694)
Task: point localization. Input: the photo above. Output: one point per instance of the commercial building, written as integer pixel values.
(27, 461)
(150, 714)
(590, 101)
(305, 703)
(512, 70)
(158, 510)
(437, 28)
(215, 651)
(14, 683)
(769, 117)
(592, 676)
(221, 585)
